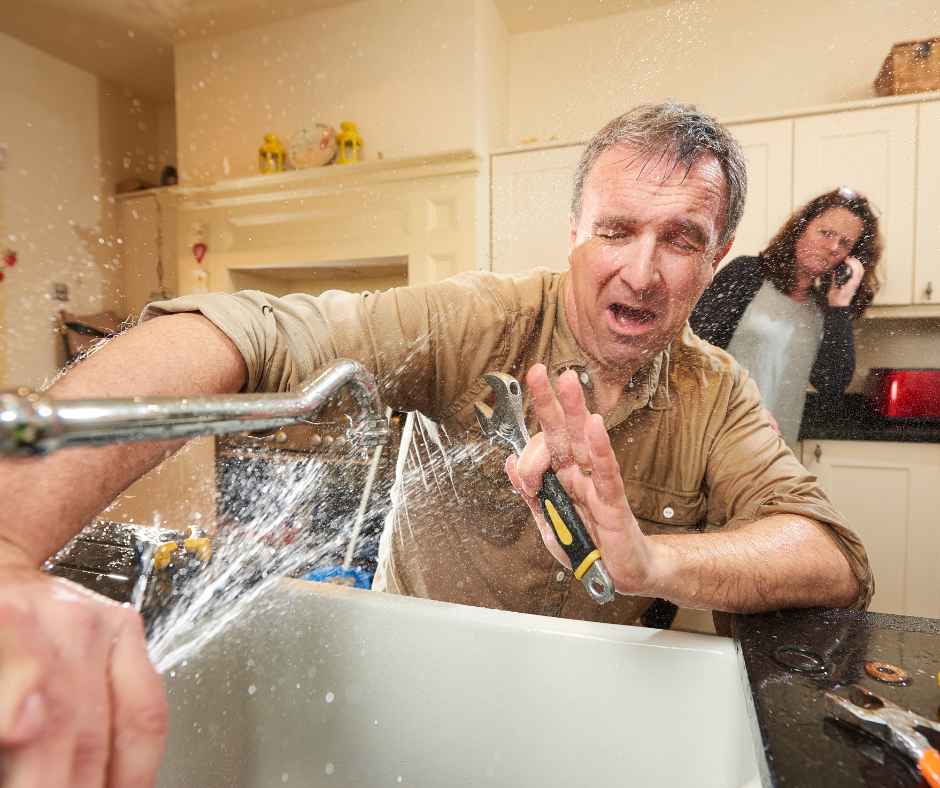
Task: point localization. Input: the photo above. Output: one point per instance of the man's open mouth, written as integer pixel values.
(630, 315)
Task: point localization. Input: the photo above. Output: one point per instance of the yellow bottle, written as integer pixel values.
(349, 142)
(271, 155)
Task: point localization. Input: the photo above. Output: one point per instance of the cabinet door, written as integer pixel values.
(890, 495)
(769, 151)
(871, 151)
(139, 227)
(531, 197)
(927, 252)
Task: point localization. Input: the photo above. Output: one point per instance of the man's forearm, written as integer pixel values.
(777, 562)
(47, 500)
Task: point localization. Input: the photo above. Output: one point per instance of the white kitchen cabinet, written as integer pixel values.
(890, 495)
(890, 153)
(147, 228)
(531, 198)
(768, 147)
(872, 151)
(927, 251)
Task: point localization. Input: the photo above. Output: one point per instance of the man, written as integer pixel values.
(677, 443)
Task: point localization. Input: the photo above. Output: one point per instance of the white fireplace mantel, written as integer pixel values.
(422, 210)
(313, 181)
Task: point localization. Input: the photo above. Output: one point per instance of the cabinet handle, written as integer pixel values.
(928, 291)
(817, 452)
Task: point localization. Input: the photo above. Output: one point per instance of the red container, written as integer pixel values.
(904, 393)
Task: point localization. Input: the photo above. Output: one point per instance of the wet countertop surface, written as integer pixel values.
(850, 418)
(802, 746)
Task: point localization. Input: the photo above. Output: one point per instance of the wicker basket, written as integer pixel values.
(911, 67)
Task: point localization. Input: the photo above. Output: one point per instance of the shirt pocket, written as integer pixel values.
(662, 511)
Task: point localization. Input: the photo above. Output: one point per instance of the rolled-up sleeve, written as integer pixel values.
(751, 475)
(420, 343)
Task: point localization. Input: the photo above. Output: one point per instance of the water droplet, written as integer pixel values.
(329, 697)
(252, 689)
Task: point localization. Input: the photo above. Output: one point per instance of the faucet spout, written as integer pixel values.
(32, 424)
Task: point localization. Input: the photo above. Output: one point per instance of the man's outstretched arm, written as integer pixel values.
(47, 500)
(778, 560)
(80, 703)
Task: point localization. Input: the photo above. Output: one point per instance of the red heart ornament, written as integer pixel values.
(199, 251)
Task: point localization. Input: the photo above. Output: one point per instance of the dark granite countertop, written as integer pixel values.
(802, 747)
(851, 419)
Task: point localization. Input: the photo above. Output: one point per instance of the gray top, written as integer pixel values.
(776, 342)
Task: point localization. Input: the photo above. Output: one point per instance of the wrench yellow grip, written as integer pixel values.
(571, 533)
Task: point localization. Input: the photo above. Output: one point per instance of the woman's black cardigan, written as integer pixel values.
(719, 310)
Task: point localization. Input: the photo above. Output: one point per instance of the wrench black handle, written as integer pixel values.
(560, 514)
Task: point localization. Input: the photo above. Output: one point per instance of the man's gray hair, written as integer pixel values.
(678, 130)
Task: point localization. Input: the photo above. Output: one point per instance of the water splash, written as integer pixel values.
(280, 524)
(275, 533)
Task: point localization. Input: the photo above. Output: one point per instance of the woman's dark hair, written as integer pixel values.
(778, 259)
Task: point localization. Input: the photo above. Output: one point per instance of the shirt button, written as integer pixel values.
(668, 512)
(560, 576)
(584, 378)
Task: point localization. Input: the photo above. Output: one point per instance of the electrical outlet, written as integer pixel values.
(60, 291)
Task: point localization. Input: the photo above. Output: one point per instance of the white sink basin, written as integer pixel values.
(326, 686)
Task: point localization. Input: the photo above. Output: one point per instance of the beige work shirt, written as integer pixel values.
(695, 451)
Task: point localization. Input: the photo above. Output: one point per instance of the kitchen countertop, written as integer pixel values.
(851, 419)
(802, 747)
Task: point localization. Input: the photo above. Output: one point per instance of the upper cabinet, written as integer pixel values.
(768, 148)
(531, 199)
(927, 250)
(888, 150)
(873, 152)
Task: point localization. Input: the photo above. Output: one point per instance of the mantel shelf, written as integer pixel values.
(297, 184)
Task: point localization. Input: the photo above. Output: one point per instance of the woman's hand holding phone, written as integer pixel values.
(842, 295)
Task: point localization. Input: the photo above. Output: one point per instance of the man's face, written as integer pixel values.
(641, 253)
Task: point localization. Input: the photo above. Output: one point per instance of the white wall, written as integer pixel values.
(166, 135)
(70, 137)
(895, 343)
(491, 60)
(734, 59)
(53, 201)
(403, 72)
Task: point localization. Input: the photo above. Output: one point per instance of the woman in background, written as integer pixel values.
(786, 315)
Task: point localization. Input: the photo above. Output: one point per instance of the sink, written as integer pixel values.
(318, 685)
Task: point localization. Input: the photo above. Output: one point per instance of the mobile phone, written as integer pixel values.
(841, 274)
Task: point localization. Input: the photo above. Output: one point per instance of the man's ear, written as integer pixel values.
(720, 255)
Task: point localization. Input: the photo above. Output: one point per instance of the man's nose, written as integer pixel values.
(639, 270)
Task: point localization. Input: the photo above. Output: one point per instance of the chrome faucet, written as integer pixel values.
(33, 424)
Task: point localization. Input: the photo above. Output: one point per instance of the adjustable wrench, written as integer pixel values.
(505, 422)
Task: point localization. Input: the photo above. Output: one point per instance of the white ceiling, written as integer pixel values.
(130, 42)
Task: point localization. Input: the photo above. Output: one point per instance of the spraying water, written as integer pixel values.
(280, 525)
